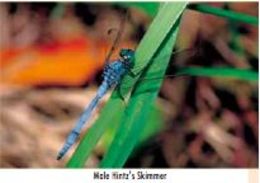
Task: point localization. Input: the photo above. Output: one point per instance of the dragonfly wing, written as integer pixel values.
(153, 77)
(191, 52)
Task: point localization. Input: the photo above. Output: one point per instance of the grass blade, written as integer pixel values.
(151, 8)
(136, 114)
(225, 13)
(243, 74)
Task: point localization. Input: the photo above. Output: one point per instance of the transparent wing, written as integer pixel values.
(182, 56)
(152, 78)
(171, 72)
(120, 31)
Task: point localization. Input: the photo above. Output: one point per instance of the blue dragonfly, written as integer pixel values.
(112, 74)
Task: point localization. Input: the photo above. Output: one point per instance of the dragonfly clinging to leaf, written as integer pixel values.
(112, 75)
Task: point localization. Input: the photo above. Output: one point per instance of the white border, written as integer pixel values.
(86, 175)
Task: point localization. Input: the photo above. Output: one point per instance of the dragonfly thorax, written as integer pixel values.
(127, 57)
(116, 70)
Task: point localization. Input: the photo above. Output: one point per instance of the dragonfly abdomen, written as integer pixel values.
(71, 139)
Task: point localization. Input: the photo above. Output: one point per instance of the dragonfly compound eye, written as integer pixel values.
(126, 53)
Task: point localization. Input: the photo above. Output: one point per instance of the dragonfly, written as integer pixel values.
(113, 73)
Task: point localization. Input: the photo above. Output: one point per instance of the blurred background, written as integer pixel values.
(52, 55)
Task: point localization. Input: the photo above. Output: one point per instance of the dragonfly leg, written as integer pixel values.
(118, 89)
(120, 94)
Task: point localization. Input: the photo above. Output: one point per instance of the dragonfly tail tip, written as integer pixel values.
(59, 156)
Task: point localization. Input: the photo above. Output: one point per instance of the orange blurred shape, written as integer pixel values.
(70, 63)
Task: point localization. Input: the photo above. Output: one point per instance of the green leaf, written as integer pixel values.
(225, 13)
(159, 39)
(151, 8)
(153, 125)
(243, 74)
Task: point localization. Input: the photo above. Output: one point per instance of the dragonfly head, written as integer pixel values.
(127, 56)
